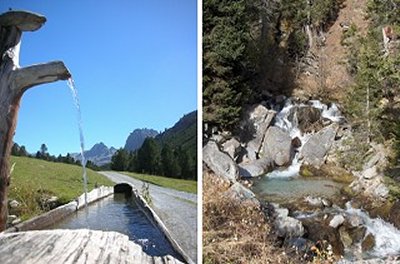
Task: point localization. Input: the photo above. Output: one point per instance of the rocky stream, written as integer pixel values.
(286, 155)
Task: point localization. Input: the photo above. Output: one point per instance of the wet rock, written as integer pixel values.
(394, 214)
(232, 147)
(255, 168)
(313, 201)
(336, 221)
(315, 149)
(219, 162)
(14, 204)
(253, 127)
(319, 231)
(308, 118)
(345, 237)
(332, 172)
(368, 243)
(296, 142)
(357, 233)
(278, 146)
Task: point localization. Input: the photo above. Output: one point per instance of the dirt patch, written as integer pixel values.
(329, 77)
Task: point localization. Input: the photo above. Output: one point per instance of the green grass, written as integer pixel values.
(177, 184)
(32, 179)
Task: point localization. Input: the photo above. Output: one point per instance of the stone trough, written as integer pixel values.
(27, 242)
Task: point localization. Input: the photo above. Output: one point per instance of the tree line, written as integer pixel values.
(155, 159)
(43, 154)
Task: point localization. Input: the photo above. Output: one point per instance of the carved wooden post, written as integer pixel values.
(14, 81)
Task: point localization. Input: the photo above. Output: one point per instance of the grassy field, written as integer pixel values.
(177, 184)
(33, 180)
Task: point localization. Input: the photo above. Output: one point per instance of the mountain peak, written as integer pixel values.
(137, 137)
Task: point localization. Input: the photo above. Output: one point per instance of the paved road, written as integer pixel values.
(178, 211)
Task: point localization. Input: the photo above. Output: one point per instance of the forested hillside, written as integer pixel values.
(172, 153)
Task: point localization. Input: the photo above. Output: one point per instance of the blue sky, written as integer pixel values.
(133, 62)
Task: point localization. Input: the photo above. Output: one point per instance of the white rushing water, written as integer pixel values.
(74, 92)
(387, 237)
(291, 126)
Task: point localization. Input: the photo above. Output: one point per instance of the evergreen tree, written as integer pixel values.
(119, 160)
(15, 150)
(169, 163)
(148, 157)
(228, 68)
(22, 152)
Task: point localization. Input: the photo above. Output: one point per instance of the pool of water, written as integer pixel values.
(116, 213)
(287, 189)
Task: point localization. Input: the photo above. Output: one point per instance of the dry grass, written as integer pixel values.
(233, 231)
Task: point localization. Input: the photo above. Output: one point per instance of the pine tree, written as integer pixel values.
(119, 160)
(148, 157)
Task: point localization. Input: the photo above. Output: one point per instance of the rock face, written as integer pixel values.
(253, 128)
(277, 146)
(255, 168)
(315, 149)
(137, 137)
(88, 246)
(220, 162)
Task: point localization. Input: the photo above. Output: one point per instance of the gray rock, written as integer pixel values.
(241, 192)
(219, 162)
(345, 237)
(255, 168)
(277, 146)
(315, 149)
(336, 221)
(253, 128)
(370, 173)
(381, 191)
(16, 221)
(313, 201)
(14, 204)
(232, 147)
(285, 225)
(289, 227)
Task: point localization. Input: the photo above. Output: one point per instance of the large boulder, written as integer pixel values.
(315, 149)
(319, 231)
(220, 162)
(278, 146)
(232, 147)
(255, 168)
(253, 127)
(309, 118)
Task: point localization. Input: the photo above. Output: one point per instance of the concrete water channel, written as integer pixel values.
(142, 237)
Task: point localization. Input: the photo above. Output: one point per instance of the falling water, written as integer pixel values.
(74, 92)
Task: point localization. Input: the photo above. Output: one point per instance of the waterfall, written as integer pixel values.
(74, 92)
(291, 126)
(387, 237)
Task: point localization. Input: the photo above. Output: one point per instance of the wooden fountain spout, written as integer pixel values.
(14, 81)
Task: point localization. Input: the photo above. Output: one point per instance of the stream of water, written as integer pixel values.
(74, 92)
(284, 185)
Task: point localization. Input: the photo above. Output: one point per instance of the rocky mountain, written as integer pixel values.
(99, 154)
(137, 137)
